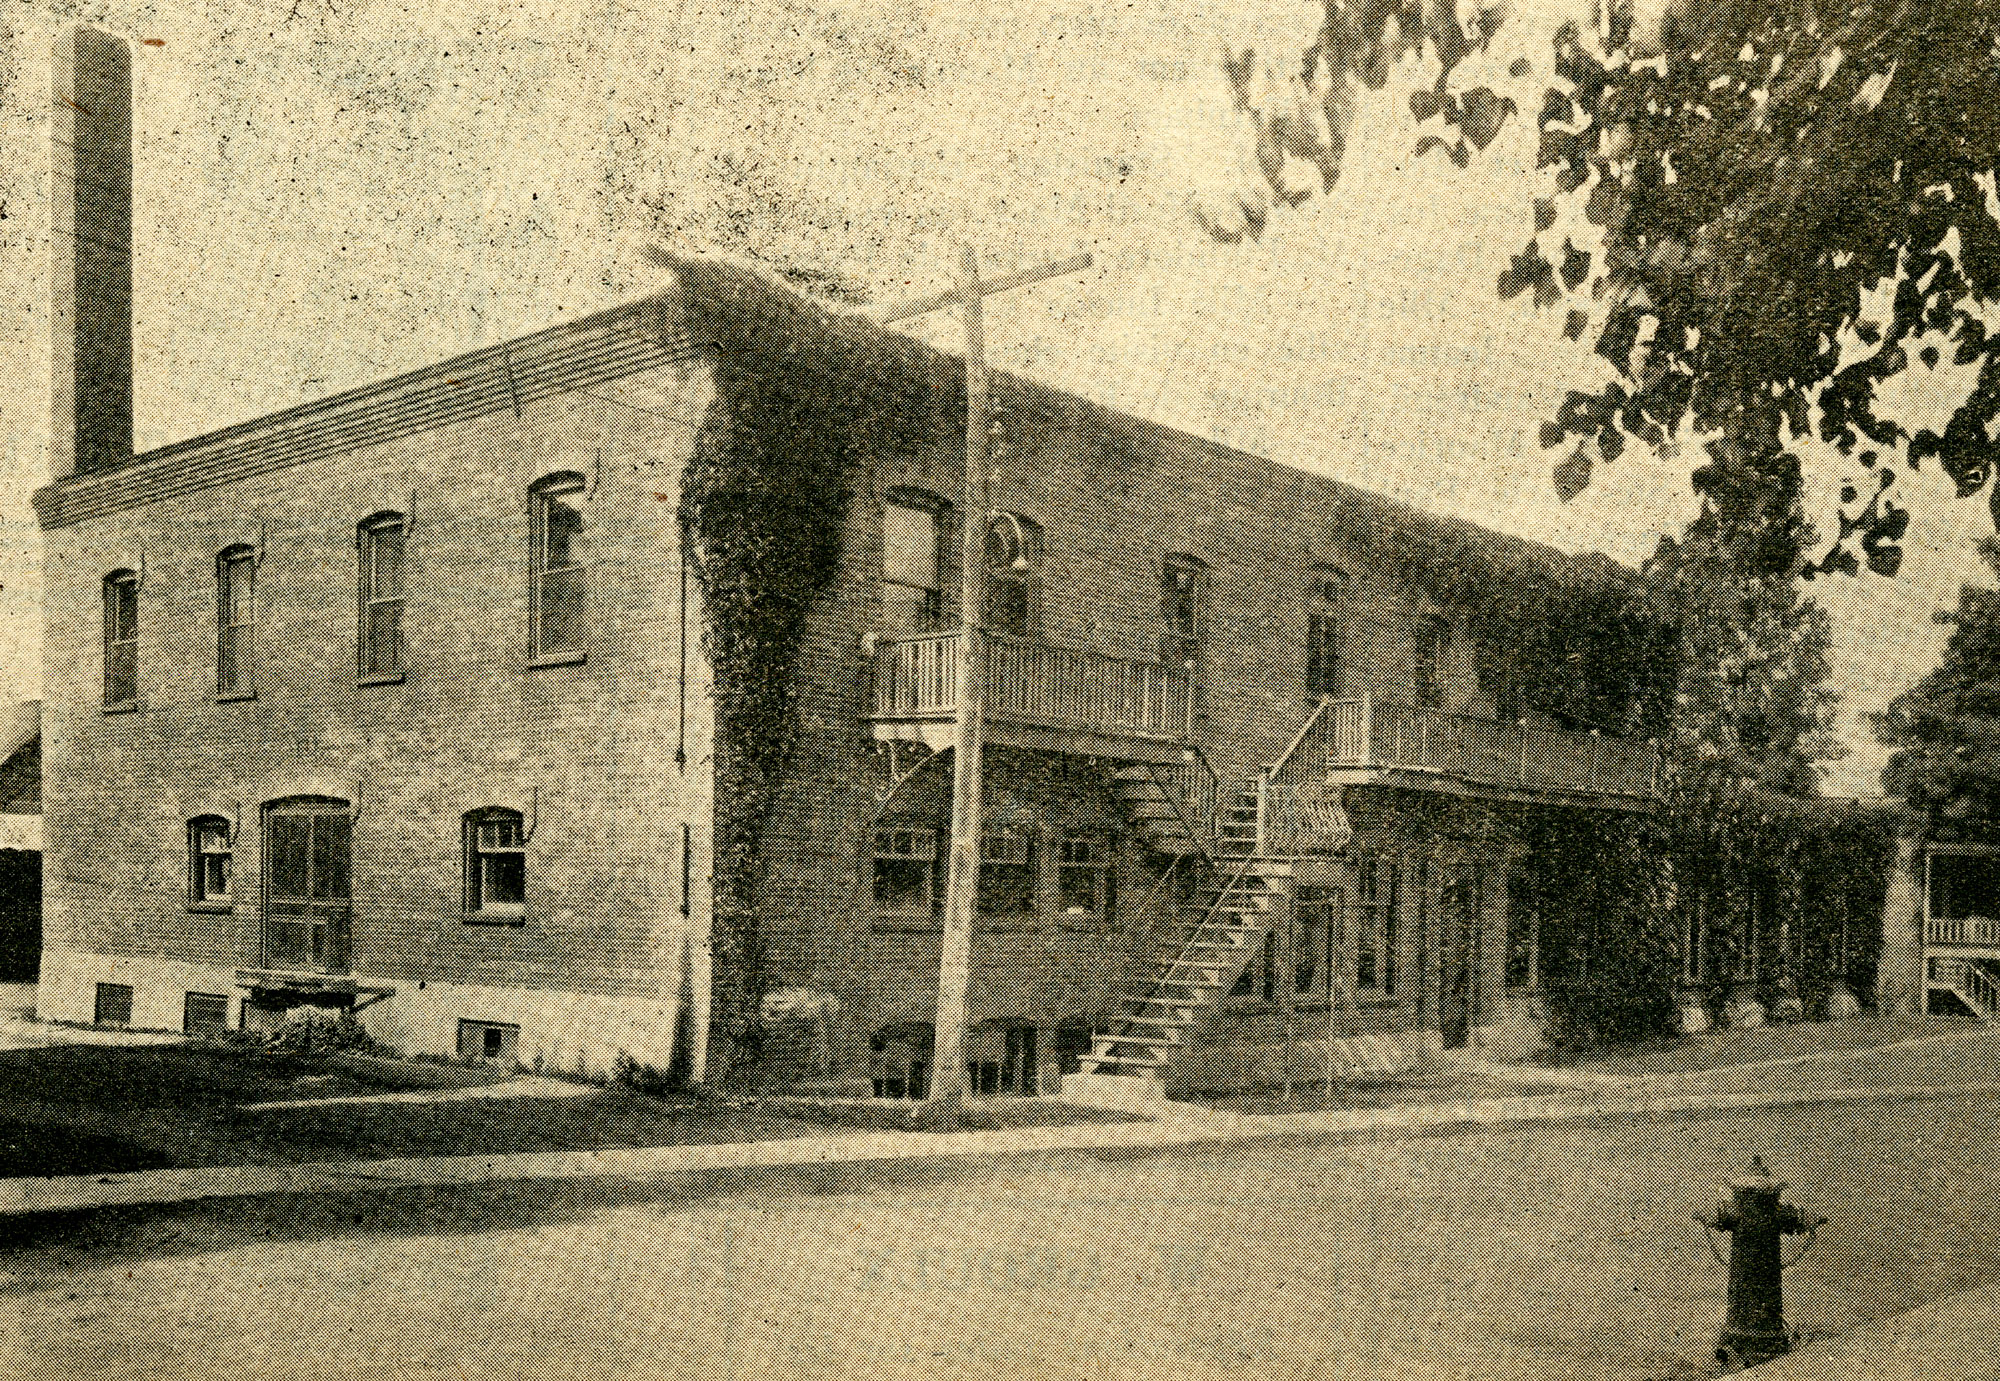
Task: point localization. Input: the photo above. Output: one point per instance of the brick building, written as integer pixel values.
(528, 702)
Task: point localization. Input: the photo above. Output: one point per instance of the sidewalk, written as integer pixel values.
(1181, 1126)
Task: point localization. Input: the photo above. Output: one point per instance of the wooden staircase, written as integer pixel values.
(1970, 982)
(1199, 960)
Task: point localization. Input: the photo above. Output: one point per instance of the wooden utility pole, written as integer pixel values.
(969, 737)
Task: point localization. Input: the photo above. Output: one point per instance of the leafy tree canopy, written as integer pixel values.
(1757, 211)
(1946, 728)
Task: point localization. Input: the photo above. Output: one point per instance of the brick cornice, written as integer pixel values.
(611, 345)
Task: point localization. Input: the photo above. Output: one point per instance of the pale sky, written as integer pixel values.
(330, 192)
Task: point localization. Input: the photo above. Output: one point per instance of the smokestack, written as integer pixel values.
(91, 240)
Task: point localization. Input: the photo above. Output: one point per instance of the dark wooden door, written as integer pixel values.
(1458, 942)
(307, 874)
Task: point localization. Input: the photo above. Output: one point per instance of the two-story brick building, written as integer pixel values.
(527, 702)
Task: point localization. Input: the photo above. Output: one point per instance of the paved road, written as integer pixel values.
(1553, 1252)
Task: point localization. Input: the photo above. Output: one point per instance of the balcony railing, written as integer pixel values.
(1378, 734)
(1035, 684)
(1981, 931)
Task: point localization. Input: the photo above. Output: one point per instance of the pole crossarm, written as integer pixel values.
(985, 287)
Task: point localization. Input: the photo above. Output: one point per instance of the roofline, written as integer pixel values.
(626, 339)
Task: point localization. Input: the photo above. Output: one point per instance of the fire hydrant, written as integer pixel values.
(1754, 1330)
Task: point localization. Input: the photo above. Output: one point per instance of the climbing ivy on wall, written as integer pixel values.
(806, 399)
(803, 399)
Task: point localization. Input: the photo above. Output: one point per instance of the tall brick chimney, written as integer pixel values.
(91, 241)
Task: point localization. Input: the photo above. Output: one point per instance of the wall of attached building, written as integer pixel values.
(607, 759)
(1111, 503)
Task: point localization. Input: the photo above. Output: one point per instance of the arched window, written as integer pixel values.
(1326, 619)
(1183, 610)
(1013, 569)
(380, 542)
(121, 640)
(556, 588)
(913, 531)
(1433, 645)
(496, 865)
(211, 862)
(235, 621)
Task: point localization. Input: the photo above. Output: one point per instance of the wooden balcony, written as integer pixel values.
(1056, 699)
(1370, 742)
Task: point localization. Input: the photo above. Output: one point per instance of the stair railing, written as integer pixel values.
(1192, 789)
(1181, 955)
(1305, 759)
(1976, 984)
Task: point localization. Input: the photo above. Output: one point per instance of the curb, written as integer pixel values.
(751, 1162)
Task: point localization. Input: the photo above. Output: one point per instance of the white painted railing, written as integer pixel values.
(1034, 683)
(1970, 980)
(1963, 930)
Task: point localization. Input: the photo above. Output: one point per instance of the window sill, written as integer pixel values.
(212, 908)
(558, 659)
(504, 920)
(230, 697)
(381, 678)
(123, 707)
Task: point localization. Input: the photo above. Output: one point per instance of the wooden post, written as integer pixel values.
(969, 736)
(969, 714)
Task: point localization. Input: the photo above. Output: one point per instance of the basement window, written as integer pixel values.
(205, 1012)
(494, 1041)
(899, 1060)
(114, 1005)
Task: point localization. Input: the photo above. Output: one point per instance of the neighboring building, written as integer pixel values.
(403, 700)
(21, 843)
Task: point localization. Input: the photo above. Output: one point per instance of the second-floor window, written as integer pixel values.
(236, 621)
(1428, 678)
(121, 639)
(1183, 595)
(556, 591)
(1325, 633)
(1013, 563)
(381, 544)
(912, 536)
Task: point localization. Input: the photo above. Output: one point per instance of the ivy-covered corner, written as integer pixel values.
(804, 398)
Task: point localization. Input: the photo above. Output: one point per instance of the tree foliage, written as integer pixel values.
(1758, 211)
(1946, 728)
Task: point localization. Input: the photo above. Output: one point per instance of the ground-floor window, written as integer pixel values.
(1085, 880)
(1000, 1059)
(906, 871)
(1259, 979)
(1007, 874)
(1373, 956)
(1319, 919)
(1524, 908)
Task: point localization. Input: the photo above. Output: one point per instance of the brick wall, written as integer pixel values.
(1111, 502)
(607, 759)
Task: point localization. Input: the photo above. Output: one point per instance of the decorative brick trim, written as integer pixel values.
(626, 340)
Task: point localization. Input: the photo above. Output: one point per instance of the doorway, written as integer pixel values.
(308, 863)
(1459, 943)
